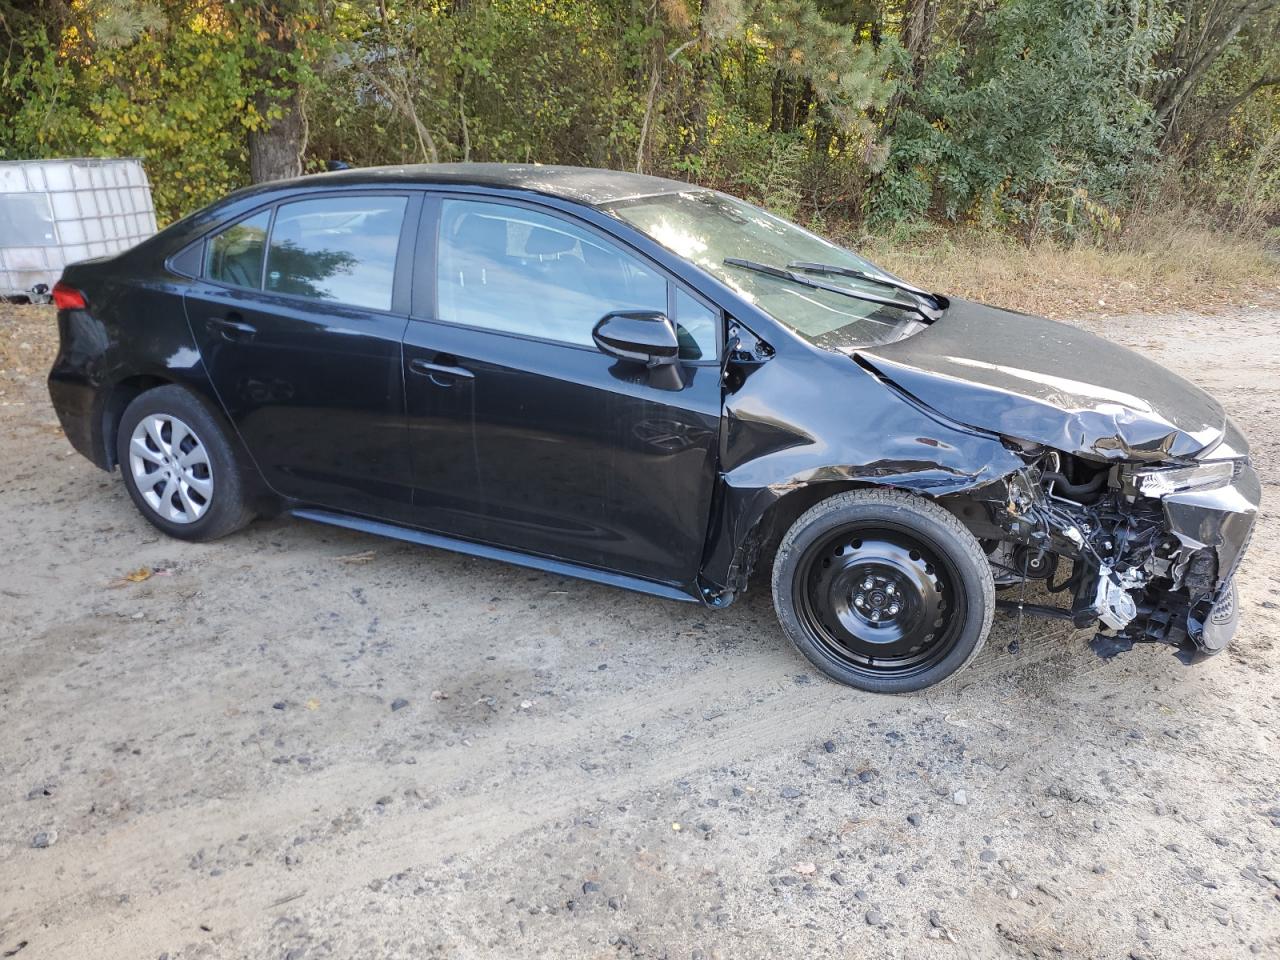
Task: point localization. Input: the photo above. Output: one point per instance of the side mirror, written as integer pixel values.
(646, 337)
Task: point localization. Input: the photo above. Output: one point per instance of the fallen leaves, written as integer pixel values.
(136, 576)
(141, 575)
(364, 556)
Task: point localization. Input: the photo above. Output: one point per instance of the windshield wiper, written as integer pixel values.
(834, 271)
(929, 314)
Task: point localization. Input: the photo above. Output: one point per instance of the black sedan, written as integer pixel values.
(656, 386)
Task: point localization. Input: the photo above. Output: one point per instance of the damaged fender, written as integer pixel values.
(785, 429)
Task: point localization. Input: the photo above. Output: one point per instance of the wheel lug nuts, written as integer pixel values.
(868, 583)
(893, 610)
(875, 614)
(859, 601)
(888, 588)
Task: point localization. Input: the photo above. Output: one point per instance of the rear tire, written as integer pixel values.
(883, 590)
(181, 466)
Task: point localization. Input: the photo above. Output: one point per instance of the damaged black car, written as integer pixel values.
(652, 385)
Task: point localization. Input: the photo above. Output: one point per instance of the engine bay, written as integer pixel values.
(1090, 532)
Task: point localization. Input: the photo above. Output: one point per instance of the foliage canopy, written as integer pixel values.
(1046, 117)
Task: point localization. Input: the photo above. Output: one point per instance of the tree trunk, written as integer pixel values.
(642, 148)
(1212, 123)
(917, 35)
(275, 152)
(788, 102)
(824, 130)
(1201, 40)
(776, 101)
(804, 99)
(696, 116)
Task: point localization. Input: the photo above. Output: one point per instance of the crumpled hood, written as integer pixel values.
(1050, 383)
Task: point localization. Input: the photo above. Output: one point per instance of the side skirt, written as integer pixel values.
(559, 567)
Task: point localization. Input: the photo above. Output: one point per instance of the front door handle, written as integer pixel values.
(232, 327)
(441, 374)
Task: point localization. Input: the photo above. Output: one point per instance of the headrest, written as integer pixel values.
(385, 223)
(600, 260)
(543, 242)
(287, 231)
(477, 234)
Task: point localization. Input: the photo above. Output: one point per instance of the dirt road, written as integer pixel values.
(303, 743)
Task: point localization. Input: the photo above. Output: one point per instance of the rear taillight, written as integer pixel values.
(67, 298)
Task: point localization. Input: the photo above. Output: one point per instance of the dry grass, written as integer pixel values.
(1163, 266)
(1158, 266)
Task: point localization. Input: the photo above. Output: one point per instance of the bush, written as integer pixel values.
(1036, 125)
(175, 96)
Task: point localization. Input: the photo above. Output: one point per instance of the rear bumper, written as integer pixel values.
(75, 402)
(74, 384)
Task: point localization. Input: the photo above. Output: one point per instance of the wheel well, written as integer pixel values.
(121, 395)
(756, 552)
(762, 542)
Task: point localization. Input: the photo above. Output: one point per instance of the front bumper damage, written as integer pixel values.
(1148, 494)
(1214, 527)
(1143, 568)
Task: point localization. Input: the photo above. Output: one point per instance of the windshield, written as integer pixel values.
(707, 228)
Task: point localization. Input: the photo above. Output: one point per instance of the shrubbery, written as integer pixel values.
(1047, 120)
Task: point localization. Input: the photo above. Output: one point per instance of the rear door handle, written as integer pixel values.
(232, 327)
(441, 373)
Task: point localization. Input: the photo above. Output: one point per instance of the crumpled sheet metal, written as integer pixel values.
(1220, 520)
(786, 431)
(1105, 430)
(1050, 383)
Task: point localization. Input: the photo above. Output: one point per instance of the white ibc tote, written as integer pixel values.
(55, 212)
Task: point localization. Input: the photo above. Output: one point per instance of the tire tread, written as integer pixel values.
(897, 504)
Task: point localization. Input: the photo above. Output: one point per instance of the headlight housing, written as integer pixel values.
(1162, 481)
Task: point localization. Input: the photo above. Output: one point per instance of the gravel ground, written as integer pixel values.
(304, 743)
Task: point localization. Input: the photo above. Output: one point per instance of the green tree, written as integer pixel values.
(1040, 117)
(1032, 115)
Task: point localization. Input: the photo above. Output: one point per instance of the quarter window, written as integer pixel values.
(235, 255)
(508, 268)
(698, 327)
(341, 249)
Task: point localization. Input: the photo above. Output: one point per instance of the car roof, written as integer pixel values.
(587, 185)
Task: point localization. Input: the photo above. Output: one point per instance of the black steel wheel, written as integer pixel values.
(879, 597)
(883, 590)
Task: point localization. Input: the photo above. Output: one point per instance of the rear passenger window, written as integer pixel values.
(235, 255)
(337, 248)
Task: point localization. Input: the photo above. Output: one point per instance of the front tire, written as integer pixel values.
(180, 466)
(883, 590)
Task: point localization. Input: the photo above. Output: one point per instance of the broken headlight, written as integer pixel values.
(1162, 481)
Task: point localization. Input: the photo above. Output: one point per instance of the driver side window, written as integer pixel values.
(508, 268)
